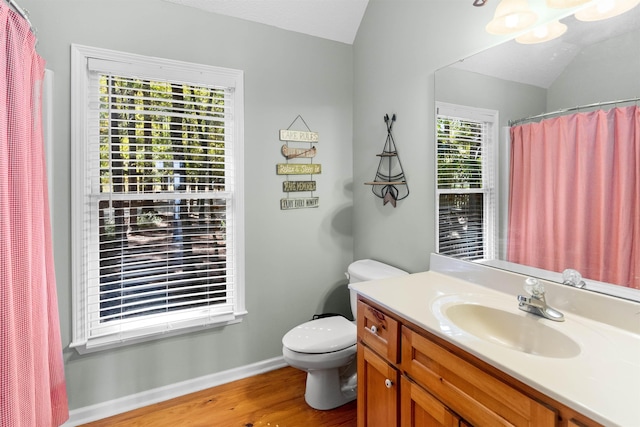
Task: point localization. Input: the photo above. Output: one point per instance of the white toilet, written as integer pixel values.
(325, 348)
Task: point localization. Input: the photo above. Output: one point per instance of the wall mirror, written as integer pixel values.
(588, 67)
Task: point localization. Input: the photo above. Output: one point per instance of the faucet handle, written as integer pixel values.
(533, 287)
(572, 278)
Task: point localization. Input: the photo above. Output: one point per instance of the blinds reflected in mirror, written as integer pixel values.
(465, 182)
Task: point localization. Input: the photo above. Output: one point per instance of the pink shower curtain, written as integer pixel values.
(575, 195)
(32, 384)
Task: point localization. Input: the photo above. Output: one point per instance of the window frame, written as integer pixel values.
(490, 188)
(148, 68)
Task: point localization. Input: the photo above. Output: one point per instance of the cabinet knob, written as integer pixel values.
(388, 383)
(373, 329)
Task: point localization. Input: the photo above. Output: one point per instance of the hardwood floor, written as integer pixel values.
(272, 399)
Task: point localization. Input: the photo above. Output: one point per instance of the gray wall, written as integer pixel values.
(399, 46)
(295, 260)
(602, 72)
(510, 99)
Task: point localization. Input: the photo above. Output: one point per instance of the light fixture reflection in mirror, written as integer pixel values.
(515, 15)
(543, 33)
(511, 16)
(605, 9)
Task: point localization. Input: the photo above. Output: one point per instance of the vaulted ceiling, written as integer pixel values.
(336, 20)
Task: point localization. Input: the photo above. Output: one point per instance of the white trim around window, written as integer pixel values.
(157, 197)
(466, 182)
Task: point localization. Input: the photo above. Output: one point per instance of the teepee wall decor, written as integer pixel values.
(390, 183)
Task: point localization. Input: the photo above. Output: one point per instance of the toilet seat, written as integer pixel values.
(323, 335)
(314, 361)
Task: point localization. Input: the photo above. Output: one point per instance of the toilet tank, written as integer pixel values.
(367, 269)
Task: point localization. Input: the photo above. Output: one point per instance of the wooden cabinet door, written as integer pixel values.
(378, 390)
(475, 395)
(419, 408)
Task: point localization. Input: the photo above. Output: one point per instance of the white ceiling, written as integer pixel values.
(336, 20)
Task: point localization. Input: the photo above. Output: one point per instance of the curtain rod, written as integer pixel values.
(566, 110)
(22, 12)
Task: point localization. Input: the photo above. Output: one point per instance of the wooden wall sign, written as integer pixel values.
(299, 203)
(291, 186)
(294, 153)
(298, 144)
(298, 136)
(298, 168)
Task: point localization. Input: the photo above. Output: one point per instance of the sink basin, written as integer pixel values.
(522, 332)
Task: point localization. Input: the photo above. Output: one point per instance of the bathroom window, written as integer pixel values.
(157, 197)
(465, 189)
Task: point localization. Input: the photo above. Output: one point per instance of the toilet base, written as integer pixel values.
(330, 388)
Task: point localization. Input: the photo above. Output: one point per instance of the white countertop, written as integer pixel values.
(601, 382)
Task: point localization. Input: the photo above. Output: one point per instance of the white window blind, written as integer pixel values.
(466, 196)
(159, 217)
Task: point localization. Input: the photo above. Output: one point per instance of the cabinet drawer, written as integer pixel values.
(379, 331)
(476, 396)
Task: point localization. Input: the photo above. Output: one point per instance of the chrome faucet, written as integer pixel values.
(536, 303)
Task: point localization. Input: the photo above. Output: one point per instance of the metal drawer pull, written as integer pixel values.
(388, 383)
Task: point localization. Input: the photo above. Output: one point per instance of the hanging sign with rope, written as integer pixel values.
(299, 153)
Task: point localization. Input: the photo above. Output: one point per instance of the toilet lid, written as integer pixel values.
(321, 335)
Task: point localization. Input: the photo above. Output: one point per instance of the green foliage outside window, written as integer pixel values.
(459, 153)
(152, 132)
(460, 184)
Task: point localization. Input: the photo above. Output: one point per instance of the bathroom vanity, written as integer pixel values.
(434, 349)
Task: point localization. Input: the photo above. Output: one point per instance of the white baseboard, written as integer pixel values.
(160, 394)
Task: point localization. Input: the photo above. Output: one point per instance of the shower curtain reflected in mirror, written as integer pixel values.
(572, 180)
(32, 386)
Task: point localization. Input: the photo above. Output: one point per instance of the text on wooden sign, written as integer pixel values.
(289, 186)
(298, 135)
(299, 203)
(298, 169)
